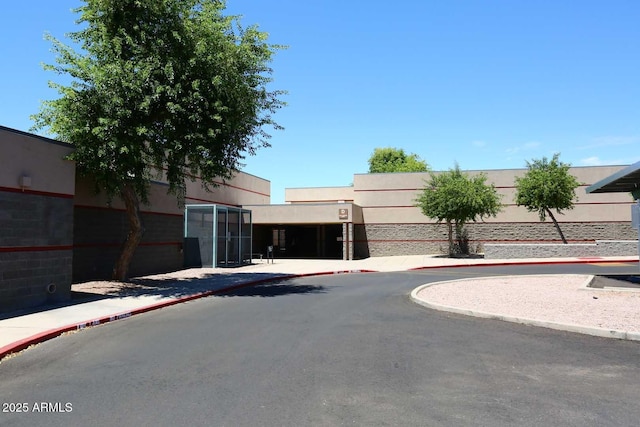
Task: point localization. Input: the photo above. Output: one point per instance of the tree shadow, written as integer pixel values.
(74, 299)
(461, 256)
(241, 284)
(222, 284)
(274, 289)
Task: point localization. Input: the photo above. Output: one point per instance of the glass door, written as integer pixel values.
(233, 237)
(221, 249)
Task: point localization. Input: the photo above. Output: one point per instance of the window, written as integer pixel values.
(278, 238)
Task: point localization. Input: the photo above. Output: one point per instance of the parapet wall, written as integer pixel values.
(600, 248)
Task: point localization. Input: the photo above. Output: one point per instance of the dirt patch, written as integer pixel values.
(550, 298)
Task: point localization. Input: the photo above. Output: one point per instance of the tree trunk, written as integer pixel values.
(462, 245)
(450, 230)
(136, 230)
(553, 218)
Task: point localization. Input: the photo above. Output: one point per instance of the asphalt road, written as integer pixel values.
(325, 351)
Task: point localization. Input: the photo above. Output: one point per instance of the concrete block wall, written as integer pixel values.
(417, 239)
(101, 225)
(617, 247)
(598, 249)
(35, 249)
(543, 250)
(100, 232)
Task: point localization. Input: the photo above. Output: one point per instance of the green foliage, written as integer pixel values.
(161, 85)
(160, 88)
(546, 185)
(456, 198)
(384, 160)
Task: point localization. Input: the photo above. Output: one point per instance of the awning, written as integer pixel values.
(626, 180)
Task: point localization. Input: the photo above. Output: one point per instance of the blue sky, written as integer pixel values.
(489, 84)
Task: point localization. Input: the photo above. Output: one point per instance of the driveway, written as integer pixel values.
(328, 350)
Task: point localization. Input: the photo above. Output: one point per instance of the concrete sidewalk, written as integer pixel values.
(96, 303)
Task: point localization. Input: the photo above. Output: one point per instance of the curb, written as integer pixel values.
(568, 327)
(53, 333)
(546, 262)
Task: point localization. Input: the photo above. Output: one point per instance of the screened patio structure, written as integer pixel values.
(217, 236)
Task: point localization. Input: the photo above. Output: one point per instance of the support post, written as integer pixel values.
(638, 226)
(636, 196)
(347, 241)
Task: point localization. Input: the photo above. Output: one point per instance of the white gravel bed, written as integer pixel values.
(547, 298)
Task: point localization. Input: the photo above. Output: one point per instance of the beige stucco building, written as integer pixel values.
(377, 216)
(54, 229)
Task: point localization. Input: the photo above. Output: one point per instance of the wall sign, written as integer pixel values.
(343, 213)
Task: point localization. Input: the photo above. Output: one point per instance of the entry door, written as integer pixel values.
(233, 237)
(222, 229)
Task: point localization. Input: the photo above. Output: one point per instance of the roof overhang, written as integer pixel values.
(626, 180)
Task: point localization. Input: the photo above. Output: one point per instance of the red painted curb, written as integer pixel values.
(53, 333)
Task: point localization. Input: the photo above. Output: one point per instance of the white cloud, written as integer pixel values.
(591, 161)
(523, 147)
(610, 141)
(479, 144)
(597, 161)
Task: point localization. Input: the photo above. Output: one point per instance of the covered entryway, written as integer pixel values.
(299, 241)
(306, 230)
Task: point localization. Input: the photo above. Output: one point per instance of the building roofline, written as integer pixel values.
(33, 135)
(314, 188)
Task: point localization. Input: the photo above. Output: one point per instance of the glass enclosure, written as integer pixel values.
(223, 235)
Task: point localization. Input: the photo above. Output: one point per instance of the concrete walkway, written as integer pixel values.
(96, 303)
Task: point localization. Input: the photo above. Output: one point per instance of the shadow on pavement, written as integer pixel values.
(182, 287)
(172, 287)
(76, 298)
(274, 289)
(631, 281)
(460, 256)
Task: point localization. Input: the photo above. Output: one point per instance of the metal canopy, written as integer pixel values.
(624, 181)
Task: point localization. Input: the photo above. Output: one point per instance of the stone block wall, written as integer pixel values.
(36, 234)
(552, 250)
(600, 248)
(617, 247)
(428, 238)
(100, 232)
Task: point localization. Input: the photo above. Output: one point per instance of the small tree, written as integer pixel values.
(456, 199)
(170, 87)
(384, 160)
(547, 185)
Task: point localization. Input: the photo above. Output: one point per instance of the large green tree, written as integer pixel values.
(384, 160)
(456, 198)
(547, 185)
(160, 87)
